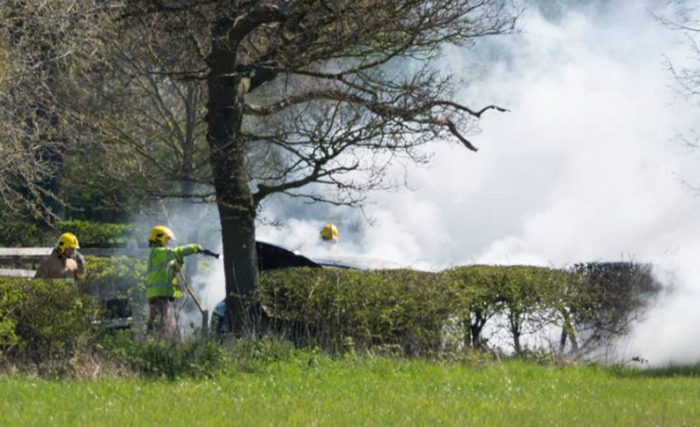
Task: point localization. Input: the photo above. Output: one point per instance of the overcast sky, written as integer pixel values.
(585, 167)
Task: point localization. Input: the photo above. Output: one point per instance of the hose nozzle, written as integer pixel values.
(207, 252)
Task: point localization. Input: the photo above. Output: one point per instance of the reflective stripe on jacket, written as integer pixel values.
(161, 276)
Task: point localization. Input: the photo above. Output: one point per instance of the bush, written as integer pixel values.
(418, 313)
(606, 299)
(530, 295)
(17, 231)
(43, 320)
(336, 309)
(474, 299)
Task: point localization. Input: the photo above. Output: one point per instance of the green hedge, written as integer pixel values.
(337, 309)
(42, 320)
(404, 312)
(402, 309)
(114, 277)
(17, 231)
(422, 313)
(526, 297)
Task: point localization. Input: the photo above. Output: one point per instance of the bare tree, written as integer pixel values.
(140, 112)
(85, 107)
(307, 94)
(44, 43)
(684, 18)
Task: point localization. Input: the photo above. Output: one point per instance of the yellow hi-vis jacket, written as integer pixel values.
(163, 265)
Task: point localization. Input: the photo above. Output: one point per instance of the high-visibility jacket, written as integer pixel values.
(163, 266)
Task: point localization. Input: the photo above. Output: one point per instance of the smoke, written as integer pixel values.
(586, 167)
(583, 168)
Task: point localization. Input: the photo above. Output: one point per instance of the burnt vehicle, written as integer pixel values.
(272, 257)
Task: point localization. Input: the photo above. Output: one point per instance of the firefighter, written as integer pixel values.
(162, 287)
(65, 262)
(329, 233)
(218, 319)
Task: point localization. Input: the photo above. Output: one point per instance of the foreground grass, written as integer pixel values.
(313, 390)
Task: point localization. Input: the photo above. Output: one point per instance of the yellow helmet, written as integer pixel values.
(160, 233)
(67, 241)
(329, 232)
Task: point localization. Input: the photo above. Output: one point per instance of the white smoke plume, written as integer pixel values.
(583, 168)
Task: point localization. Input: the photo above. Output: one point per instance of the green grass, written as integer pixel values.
(316, 390)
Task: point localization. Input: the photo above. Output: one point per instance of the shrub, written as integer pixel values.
(529, 296)
(17, 231)
(474, 299)
(43, 320)
(605, 299)
(336, 308)
(591, 304)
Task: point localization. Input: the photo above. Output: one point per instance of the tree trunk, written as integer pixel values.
(567, 331)
(233, 196)
(516, 331)
(475, 328)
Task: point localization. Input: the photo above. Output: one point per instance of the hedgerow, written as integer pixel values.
(397, 312)
(341, 309)
(43, 320)
(421, 313)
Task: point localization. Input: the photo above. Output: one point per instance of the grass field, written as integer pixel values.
(316, 390)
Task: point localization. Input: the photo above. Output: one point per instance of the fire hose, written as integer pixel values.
(204, 313)
(191, 292)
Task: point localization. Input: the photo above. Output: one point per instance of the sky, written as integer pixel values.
(586, 166)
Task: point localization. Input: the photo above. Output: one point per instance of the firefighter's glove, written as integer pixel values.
(79, 258)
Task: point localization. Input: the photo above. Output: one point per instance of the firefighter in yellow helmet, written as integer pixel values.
(329, 233)
(65, 262)
(162, 287)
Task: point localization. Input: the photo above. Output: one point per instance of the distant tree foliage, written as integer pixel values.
(42, 44)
